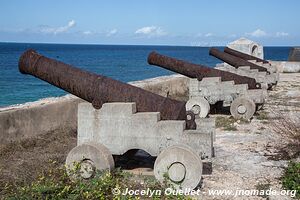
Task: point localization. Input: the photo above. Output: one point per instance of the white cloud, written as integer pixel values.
(87, 32)
(112, 32)
(282, 34)
(257, 33)
(151, 31)
(209, 35)
(261, 33)
(56, 30)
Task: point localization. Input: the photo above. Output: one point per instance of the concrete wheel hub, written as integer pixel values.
(87, 169)
(196, 109)
(189, 117)
(241, 109)
(177, 172)
(199, 106)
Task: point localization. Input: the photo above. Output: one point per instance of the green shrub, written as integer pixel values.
(262, 116)
(291, 178)
(226, 123)
(57, 184)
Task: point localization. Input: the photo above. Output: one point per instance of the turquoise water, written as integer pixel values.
(124, 63)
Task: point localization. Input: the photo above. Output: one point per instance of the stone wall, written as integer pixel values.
(248, 46)
(287, 66)
(34, 118)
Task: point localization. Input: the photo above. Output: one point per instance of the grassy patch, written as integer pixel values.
(21, 162)
(291, 178)
(262, 116)
(56, 184)
(226, 123)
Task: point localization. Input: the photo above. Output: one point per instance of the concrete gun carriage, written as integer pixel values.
(208, 86)
(246, 65)
(118, 117)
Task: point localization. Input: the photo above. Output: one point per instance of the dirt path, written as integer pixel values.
(250, 156)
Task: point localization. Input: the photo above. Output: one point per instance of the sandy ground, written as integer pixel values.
(251, 157)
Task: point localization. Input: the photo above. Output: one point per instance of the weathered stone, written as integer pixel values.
(266, 80)
(117, 128)
(181, 165)
(213, 90)
(248, 46)
(294, 54)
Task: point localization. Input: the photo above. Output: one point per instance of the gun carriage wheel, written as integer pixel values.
(84, 160)
(199, 106)
(180, 165)
(242, 108)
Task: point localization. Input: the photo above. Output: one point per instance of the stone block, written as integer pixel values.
(248, 46)
(120, 128)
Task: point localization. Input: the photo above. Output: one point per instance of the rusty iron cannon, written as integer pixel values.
(121, 117)
(234, 61)
(252, 59)
(208, 86)
(243, 55)
(198, 71)
(246, 65)
(98, 89)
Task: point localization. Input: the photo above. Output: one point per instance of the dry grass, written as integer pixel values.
(34, 169)
(226, 123)
(287, 126)
(22, 161)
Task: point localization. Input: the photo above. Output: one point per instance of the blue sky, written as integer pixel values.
(164, 22)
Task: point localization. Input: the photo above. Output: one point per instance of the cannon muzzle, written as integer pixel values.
(233, 60)
(98, 89)
(198, 71)
(243, 55)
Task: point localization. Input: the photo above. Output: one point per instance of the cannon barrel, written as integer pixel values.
(198, 71)
(233, 60)
(98, 89)
(243, 55)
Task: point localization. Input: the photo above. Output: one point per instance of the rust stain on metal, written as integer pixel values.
(243, 55)
(233, 60)
(198, 71)
(98, 89)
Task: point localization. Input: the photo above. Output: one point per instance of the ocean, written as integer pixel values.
(122, 62)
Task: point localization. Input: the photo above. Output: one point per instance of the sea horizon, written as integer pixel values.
(159, 45)
(121, 62)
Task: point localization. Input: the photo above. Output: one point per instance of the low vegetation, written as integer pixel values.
(226, 123)
(289, 128)
(291, 178)
(262, 116)
(56, 184)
